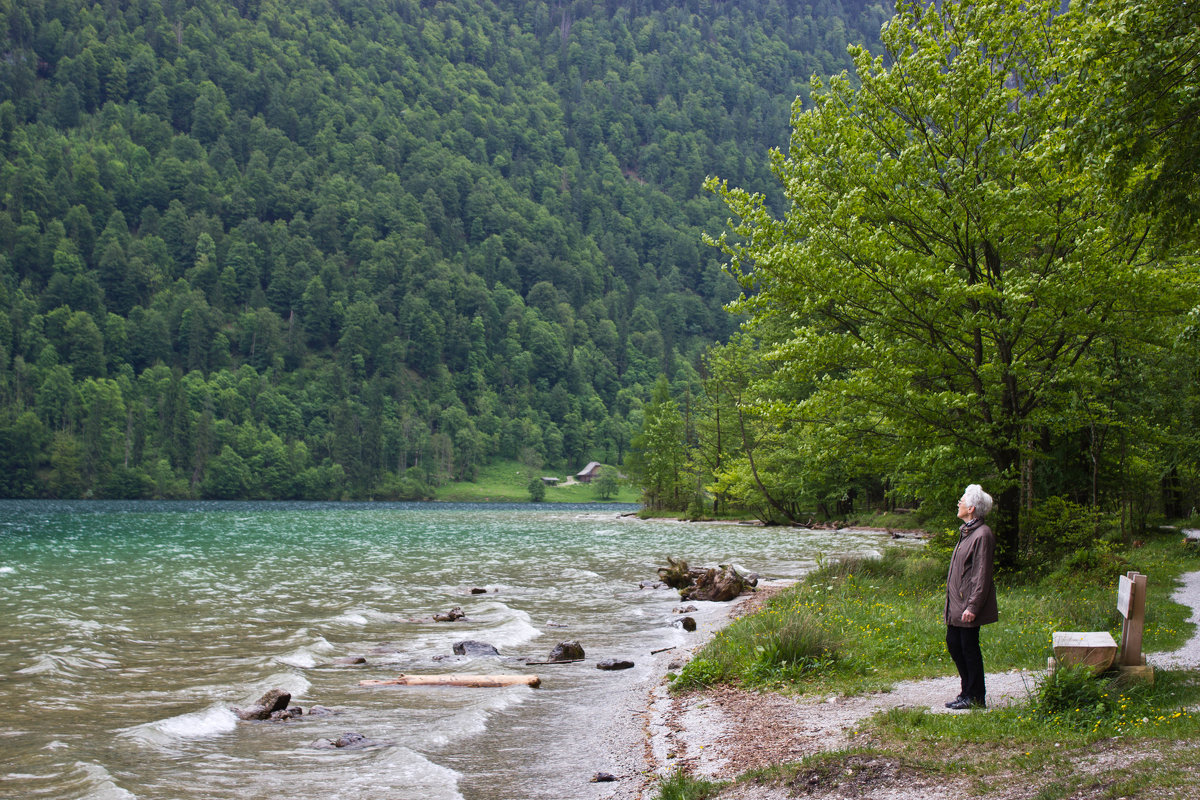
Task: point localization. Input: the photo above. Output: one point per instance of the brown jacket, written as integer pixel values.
(969, 583)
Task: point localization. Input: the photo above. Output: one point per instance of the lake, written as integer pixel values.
(128, 630)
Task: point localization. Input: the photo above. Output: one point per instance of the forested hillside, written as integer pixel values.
(356, 248)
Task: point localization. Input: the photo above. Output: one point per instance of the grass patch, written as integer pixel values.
(681, 786)
(863, 624)
(774, 647)
(508, 482)
(1127, 743)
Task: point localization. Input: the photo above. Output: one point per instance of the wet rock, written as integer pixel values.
(349, 661)
(477, 590)
(347, 741)
(676, 574)
(321, 711)
(566, 651)
(268, 704)
(385, 649)
(453, 615)
(716, 585)
(603, 777)
(687, 623)
(688, 609)
(650, 584)
(614, 664)
(474, 649)
(295, 712)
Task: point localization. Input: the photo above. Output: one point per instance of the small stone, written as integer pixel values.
(474, 649)
(603, 777)
(452, 615)
(347, 741)
(477, 590)
(687, 623)
(614, 664)
(349, 661)
(688, 609)
(320, 711)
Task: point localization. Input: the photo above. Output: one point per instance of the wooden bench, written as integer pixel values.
(1098, 650)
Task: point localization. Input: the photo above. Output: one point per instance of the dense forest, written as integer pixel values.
(358, 248)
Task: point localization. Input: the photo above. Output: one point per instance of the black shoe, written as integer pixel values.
(954, 703)
(961, 704)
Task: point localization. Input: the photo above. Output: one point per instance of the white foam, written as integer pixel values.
(515, 631)
(43, 664)
(301, 658)
(213, 721)
(105, 788)
(351, 619)
(6, 570)
(291, 682)
(473, 721)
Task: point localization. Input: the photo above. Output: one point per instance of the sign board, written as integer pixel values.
(1125, 596)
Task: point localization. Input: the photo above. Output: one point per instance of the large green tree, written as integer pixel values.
(947, 289)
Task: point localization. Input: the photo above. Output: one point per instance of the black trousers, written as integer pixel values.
(963, 644)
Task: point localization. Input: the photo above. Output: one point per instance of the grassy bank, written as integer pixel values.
(863, 625)
(508, 482)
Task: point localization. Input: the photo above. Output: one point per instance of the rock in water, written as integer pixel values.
(347, 741)
(687, 623)
(566, 651)
(268, 704)
(719, 586)
(475, 649)
(614, 664)
(452, 615)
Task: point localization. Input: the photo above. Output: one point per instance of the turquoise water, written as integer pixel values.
(129, 630)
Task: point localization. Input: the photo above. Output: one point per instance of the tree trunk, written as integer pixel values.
(480, 681)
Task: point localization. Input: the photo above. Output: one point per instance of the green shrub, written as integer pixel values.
(681, 786)
(1056, 528)
(1069, 691)
(779, 644)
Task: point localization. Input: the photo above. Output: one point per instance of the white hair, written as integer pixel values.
(974, 495)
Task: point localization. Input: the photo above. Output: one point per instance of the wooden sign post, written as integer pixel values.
(1131, 603)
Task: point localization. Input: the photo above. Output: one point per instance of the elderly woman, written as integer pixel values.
(970, 595)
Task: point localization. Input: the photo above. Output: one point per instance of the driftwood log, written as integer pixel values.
(452, 679)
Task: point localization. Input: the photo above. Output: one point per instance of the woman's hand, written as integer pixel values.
(968, 616)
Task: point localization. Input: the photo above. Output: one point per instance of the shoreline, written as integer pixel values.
(721, 732)
(638, 744)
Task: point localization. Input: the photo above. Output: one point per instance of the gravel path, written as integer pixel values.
(1188, 656)
(724, 732)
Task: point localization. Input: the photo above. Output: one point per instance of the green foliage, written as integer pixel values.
(953, 296)
(1073, 691)
(780, 644)
(860, 624)
(1066, 538)
(367, 249)
(607, 483)
(537, 490)
(658, 455)
(678, 785)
